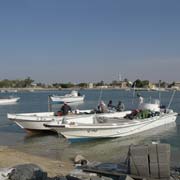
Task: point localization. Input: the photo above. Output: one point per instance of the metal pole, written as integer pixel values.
(49, 104)
(171, 99)
(159, 91)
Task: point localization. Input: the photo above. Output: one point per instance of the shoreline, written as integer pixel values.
(10, 157)
(15, 90)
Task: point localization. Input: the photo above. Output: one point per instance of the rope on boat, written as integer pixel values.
(171, 99)
(100, 96)
(159, 91)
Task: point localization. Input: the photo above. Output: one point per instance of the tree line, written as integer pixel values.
(27, 82)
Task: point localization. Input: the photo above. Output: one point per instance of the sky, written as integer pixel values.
(90, 40)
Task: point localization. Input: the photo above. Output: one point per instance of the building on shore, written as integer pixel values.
(90, 85)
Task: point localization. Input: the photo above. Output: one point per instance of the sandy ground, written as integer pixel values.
(10, 157)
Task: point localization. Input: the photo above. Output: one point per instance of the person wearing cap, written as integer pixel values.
(65, 109)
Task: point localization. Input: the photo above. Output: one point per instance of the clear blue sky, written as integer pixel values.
(90, 40)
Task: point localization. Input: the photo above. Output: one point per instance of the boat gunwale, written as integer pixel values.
(102, 126)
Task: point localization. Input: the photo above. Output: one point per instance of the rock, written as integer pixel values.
(4, 173)
(101, 178)
(27, 172)
(80, 174)
(68, 177)
(80, 160)
(125, 177)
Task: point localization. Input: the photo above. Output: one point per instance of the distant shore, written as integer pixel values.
(14, 90)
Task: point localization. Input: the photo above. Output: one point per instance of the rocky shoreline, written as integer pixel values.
(142, 162)
(17, 165)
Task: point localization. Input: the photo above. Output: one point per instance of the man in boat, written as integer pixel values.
(120, 107)
(110, 105)
(65, 109)
(141, 100)
(102, 108)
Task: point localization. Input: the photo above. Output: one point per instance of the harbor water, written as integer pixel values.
(53, 146)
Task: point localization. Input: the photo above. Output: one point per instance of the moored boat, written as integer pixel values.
(73, 97)
(36, 121)
(8, 100)
(111, 127)
(33, 121)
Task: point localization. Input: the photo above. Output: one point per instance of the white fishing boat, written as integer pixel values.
(73, 97)
(111, 127)
(8, 100)
(33, 121)
(36, 121)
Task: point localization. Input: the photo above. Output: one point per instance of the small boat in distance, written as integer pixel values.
(8, 100)
(73, 97)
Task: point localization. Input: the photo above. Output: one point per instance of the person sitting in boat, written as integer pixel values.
(79, 94)
(65, 109)
(110, 105)
(120, 106)
(102, 108)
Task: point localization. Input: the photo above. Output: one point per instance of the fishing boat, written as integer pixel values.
(33, 121)
(8, 100)
(36, 121)
(73, 97)
(111, 127)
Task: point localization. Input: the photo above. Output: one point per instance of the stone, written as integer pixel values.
(80, 174)
(27, 172)
(125, 177)
(101, 178)
(4, 173)
(80, 160)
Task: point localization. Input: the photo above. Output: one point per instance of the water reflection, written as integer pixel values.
(34, 136)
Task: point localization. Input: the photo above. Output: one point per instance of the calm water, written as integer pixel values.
(102, 150)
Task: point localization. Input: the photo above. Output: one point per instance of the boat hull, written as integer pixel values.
(59, 99)
(34, 121)
(9, 101)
